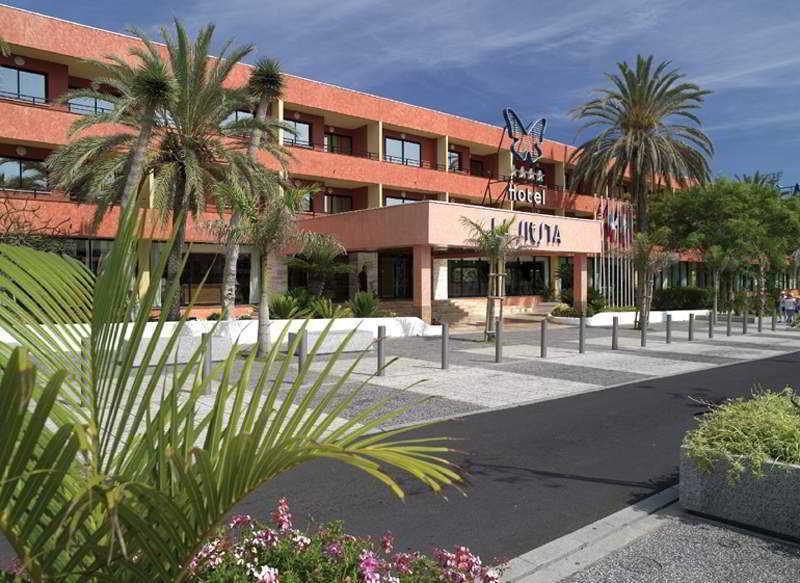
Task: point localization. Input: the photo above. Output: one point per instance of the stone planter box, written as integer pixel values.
(770, 503)
(606, 319)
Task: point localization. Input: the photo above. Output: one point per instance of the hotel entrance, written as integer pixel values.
(395, 275)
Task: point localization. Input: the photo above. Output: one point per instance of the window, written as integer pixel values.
(19, 174)
(338, 203)
(467, 278)
(339, 144)
(454, 161)
(402, 152)
(237, 116)
(90, 252)
(301, 136)
(396, 200)
(23, 85)
(89, 105)
(476, 167)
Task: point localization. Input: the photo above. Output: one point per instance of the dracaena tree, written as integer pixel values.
(114, 467)
(647, 132)
(320, 257)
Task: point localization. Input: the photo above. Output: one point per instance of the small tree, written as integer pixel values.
(320, 258)
(649, 258)
(717, 261)
(495, 244)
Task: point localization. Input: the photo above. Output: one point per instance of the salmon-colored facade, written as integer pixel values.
(415, 255)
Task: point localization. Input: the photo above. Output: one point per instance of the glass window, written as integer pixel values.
(402, 152)
(23, 85)
(237, 116)
(301, 136)
(396, 200)
(476, 167)
(467, 278)
(454, 161)
(89, 105)
(339, 203)
(19, 174)
(338, 144)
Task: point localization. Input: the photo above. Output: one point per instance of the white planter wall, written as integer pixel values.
(606, 319)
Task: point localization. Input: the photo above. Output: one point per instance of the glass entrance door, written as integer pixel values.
(394, 275)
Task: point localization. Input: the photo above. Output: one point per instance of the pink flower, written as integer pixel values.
(387, 541)
(281, 516)
(489, 575)
(301, 541)
(265, 575)
(334, 550)
(402, 562)
(369, 566)
(240, 520)
(265, 538)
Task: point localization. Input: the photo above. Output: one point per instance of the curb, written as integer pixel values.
(563, 556)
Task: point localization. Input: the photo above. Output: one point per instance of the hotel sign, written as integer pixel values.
(526, 148)
(538, 233)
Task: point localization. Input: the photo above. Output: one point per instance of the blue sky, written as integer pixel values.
(542, 57)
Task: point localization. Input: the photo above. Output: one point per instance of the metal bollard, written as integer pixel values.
(760, 324)
(710, 326)
(445, 346)
(207, 341)
(729, 323)
(498, 340)
(615, 333)
(582, 335)
(669, 328)
(301, 350)
(642, 334)
(381, 354)
(744, 322)
(543, 340)
(691, 327)
(774, 321)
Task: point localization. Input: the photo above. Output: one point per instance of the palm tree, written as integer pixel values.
(319, 257)
(264, 87)
(771, 179)
(718, 261)
(649, 132)
(111, 472)
(649, 259)
(495, 244)
(139, 90)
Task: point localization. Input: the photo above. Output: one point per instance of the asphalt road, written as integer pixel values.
(535, 472)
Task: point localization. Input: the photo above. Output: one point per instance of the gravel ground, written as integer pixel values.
(687, 549)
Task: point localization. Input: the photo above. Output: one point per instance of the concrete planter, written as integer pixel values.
(770, 502)
(605, 319)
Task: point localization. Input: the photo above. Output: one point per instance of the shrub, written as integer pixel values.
(681, 298)
(325, 308)
(619, 309)
(285, 306)
(246, 317)
(365, 305)
(567, 297)
(302, 296)
(566, 311)
(247, 551)
(748, 432)
(596, 300)
(214, 316)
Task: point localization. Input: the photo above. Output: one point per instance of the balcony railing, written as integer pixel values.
(321, 147)
(15, 96)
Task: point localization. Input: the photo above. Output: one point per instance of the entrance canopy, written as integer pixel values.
(439, 224)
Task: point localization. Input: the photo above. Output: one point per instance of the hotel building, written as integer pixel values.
(394, 182)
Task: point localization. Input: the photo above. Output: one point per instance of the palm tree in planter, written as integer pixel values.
(648, 132)
(495, 244)
(113, 164)
(110, 473)
(264, 88)
(319, 257)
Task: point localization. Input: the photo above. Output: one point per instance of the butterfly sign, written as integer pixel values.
(525, 140)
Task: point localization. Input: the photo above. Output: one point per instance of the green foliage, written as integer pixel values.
(325, 308)
(567, 311)
(596, 300)
(320, 258)
(286, 306)
(114, 472)
(246, 317)
(365, 305)
(748, 432)
(681, 298)
(213, 317)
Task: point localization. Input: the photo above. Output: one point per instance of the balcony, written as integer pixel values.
(322, 147)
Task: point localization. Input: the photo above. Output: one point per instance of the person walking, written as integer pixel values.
(362, 279)
(782, 306)
(790, 304)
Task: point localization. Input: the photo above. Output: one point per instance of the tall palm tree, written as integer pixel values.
(111, 467)
(138, 91)
(264, 87)
(648, 131)
(319, 257)
(495, 244)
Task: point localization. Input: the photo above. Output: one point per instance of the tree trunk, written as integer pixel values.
(641, 278)
(176, 253)
(263, 307)
(131, 188)
(232, 246)
(714, 306)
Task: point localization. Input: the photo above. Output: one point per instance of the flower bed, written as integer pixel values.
(248, 551)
